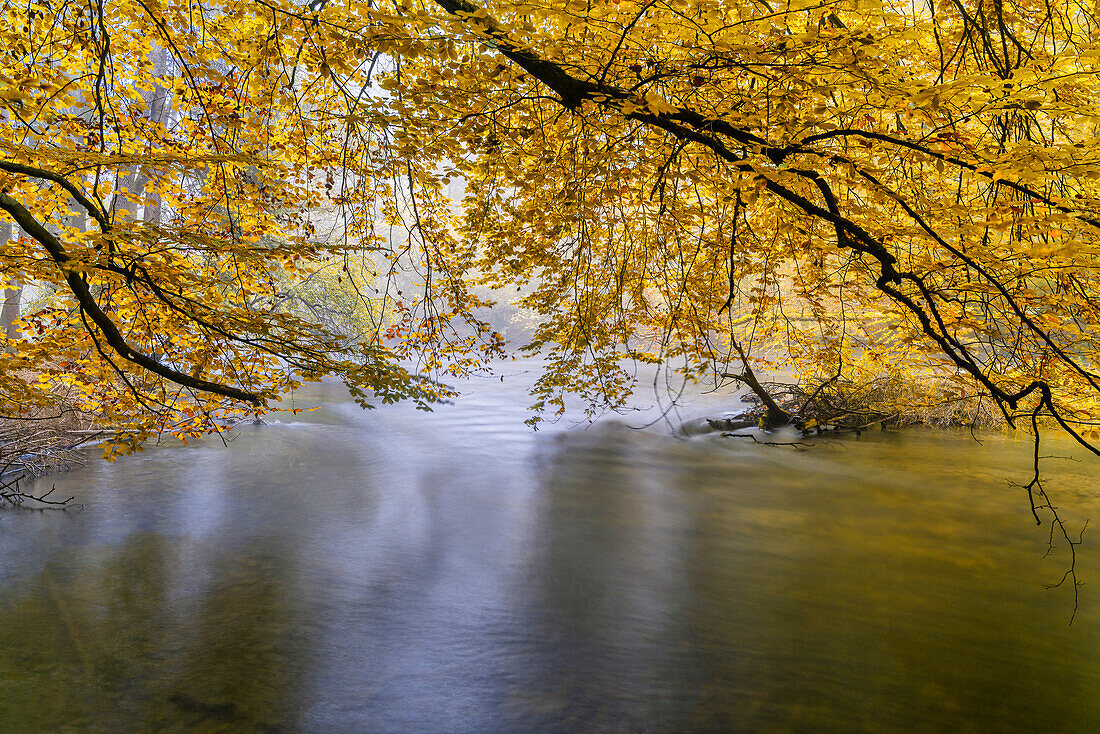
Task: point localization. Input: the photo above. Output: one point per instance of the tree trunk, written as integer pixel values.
(160, 103)
(13, 296)
(157, 102)
(775, 416)
(11, 292)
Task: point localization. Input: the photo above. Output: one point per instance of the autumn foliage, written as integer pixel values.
(843, 190)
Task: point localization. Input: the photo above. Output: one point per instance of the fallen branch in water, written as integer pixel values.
(796, 444)
(34, 445)
(10, 494)
(887, 401)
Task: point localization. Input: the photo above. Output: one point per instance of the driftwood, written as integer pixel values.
(32, 446)
(843, 405)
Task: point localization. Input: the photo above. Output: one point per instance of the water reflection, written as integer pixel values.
(394, 571)
(98, 644)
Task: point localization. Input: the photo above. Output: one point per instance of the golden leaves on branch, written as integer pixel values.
(659, 179)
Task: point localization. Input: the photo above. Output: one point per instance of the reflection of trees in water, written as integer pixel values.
(859, 588)
(664, 565)
(608, 589)
(657, 585)
(106, 649)
(887, 588)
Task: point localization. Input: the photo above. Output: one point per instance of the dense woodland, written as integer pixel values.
(205, 205)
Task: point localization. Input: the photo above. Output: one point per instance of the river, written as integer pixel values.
(454, 571)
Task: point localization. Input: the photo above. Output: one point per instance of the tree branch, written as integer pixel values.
(103, 322)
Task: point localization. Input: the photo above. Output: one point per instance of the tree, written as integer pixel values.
(11, 293)
(824, 158)
(860, 187)
(163, 166)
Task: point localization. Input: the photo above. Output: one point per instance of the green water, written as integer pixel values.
(454, 572)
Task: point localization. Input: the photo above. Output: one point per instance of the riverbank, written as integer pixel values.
(34, 445)
(886, 401)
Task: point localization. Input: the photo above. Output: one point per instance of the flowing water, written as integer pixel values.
(396, 571)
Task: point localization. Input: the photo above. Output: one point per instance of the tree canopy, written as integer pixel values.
(844, 189)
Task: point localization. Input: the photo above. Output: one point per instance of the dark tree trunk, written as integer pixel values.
(775, 416)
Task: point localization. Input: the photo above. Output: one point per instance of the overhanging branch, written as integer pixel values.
(102, 321)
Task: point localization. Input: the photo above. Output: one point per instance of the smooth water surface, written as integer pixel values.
(396, 571)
